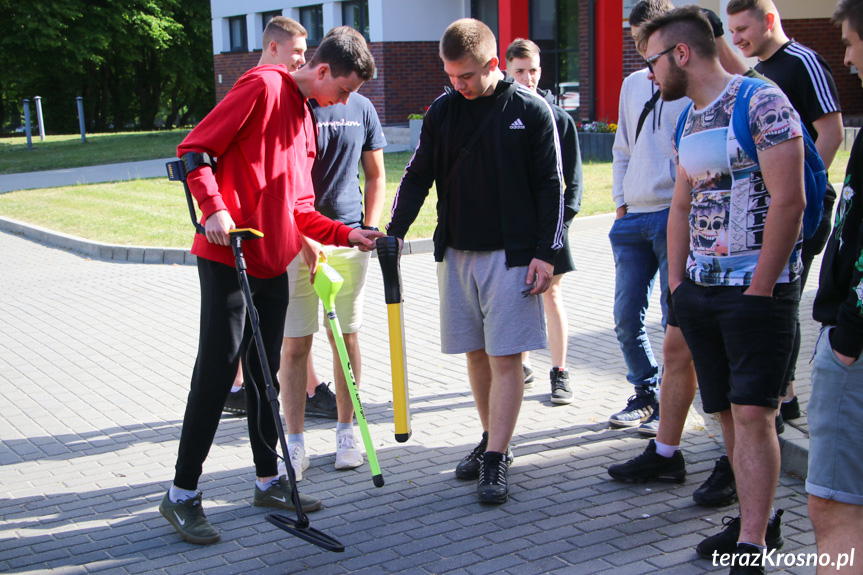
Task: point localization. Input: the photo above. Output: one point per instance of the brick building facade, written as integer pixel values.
(410, 75)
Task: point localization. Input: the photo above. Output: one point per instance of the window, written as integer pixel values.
(486, 12)
(554, 28)
(237, 28)
(312, 19)
(267, 16)
(355, 13)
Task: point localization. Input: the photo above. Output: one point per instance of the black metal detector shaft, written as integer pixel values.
(300, 526)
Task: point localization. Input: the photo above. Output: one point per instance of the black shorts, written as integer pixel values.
(563, 260)
(741, 345)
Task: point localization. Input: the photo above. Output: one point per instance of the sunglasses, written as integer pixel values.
(652, 60)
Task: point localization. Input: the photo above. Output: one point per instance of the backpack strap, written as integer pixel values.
(648, 107)
(681, 122)
(740, 116)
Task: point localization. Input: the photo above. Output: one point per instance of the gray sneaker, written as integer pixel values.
(279, 496)
(650, 427)
(638, 409)
(189, 520)
(528, 376)
(561, 393)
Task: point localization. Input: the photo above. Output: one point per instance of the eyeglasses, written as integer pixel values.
(652, 60)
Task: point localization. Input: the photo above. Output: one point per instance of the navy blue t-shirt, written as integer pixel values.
(344, 133)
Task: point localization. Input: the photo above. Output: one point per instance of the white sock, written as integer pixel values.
(341, 426)
(264, 485)
(236, 388)
(789, 400)
(295, 438)
(176, 495)
(665, 450)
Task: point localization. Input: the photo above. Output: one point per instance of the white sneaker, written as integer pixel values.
(348, 454)
(299, 461)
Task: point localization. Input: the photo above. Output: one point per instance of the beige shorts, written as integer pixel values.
(303, 317)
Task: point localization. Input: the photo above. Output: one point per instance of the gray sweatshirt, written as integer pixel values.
(644, 171)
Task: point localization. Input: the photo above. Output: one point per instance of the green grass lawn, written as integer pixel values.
(153, 212)
(67, 151)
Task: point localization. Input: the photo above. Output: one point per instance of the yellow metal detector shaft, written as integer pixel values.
(388, 257)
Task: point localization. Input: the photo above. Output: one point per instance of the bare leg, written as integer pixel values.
(479, 375)
(838, 530)
(555, 317)
(293, 375)
(678, 387)
(343, 398)
(756, 467)
(504, 403)
(238, 379)
(312, 380)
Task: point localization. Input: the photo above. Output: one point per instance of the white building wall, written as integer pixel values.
(389, 20)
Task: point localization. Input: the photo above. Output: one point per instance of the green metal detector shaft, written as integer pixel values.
(327, 284)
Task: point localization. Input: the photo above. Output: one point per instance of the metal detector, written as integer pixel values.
(388, 257)
(300, 526)
(327, 284)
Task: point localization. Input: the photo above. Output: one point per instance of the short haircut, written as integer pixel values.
(684, 25)
(760, 7)
(281, 28)
(339, 30)
(468, 37)
(648, 10)
(851, 10)
(345, 53)
(521, 48)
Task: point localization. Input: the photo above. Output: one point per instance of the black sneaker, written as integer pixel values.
(720, 489)
(638, 409)
(236, 402)
(468, 468)
(752, 565)
(322, 403)
(726, 540)
(790, 410)
(650, 467)
(561, 393)
(528, 376)
(780, 423)
(492, 486)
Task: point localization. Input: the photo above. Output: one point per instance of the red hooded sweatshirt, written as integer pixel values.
(264, 138)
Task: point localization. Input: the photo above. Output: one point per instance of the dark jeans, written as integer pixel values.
(741, 344)
(224, 332)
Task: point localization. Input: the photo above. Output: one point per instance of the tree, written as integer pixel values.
(133, 61)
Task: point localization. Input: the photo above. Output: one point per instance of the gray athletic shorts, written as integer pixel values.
(482, 306)
(834, 414)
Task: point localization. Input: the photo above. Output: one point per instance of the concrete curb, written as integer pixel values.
(136, 254)
(794, 447)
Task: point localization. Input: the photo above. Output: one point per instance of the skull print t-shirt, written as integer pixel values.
(729, 198)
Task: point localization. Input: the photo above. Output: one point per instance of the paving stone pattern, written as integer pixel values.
(95, 359)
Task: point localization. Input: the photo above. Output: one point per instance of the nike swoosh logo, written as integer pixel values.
(282, 499)
(180, 521)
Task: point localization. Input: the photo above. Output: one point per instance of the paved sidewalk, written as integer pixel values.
(95, 359)
(98, 174)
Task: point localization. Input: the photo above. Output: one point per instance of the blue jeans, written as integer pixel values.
(638, 242)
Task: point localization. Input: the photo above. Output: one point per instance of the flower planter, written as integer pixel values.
(416, 127)
(595, 147)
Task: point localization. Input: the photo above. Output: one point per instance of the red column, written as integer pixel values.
(512, 23)
(608, 52)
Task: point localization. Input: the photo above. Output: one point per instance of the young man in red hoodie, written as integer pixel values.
(263, 135)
